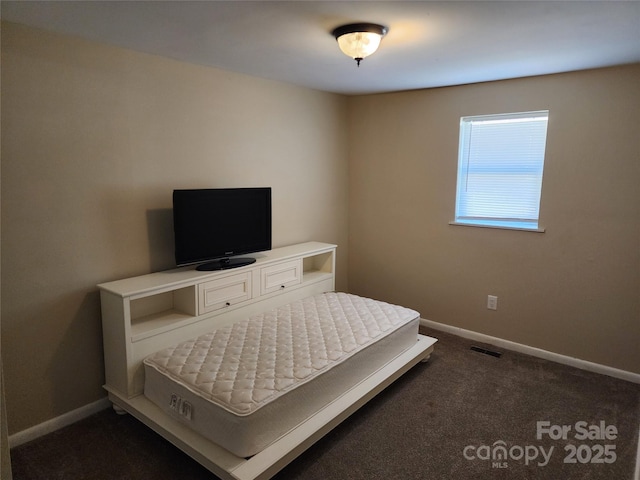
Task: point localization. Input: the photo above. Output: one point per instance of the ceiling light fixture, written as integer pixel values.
(359, 40)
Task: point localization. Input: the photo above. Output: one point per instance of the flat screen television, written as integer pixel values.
(212, 225)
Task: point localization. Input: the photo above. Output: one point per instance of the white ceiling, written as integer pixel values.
(429, 44)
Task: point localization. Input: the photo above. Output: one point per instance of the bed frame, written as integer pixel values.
(144, 314)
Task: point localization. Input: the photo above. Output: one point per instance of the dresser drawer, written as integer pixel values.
(280, 276)
(224, 292)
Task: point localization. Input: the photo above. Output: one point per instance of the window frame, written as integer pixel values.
(462, 175)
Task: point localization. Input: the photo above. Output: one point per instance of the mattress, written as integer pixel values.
(245, 385)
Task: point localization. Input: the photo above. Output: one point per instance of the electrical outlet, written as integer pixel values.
(492, 302)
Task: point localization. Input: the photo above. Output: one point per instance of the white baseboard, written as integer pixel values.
(57, 423)
(533, 351)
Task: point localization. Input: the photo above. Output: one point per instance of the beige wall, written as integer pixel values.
(574, 289)
(94, 139)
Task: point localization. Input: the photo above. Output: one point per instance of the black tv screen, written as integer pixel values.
(212, 225)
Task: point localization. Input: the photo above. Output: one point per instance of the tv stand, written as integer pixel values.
(225, 264)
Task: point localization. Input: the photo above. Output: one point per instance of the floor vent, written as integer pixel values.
(486, 352)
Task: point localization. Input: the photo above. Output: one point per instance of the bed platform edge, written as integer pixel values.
(280, 453)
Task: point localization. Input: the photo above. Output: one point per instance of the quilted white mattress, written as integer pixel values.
(245, 385)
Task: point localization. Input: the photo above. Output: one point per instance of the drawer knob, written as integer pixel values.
(227, 304)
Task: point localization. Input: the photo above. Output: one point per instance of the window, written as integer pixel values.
(500, 164)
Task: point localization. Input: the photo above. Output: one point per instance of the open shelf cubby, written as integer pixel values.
(156, 311)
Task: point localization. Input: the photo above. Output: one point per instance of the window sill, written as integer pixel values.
(499, 227)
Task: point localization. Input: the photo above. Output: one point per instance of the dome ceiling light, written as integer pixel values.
(359, 40)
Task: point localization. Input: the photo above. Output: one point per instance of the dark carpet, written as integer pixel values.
(445, 419)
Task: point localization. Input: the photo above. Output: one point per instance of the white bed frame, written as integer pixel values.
(144, 314)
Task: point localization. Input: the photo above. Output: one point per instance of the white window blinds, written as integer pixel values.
(500, 166)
